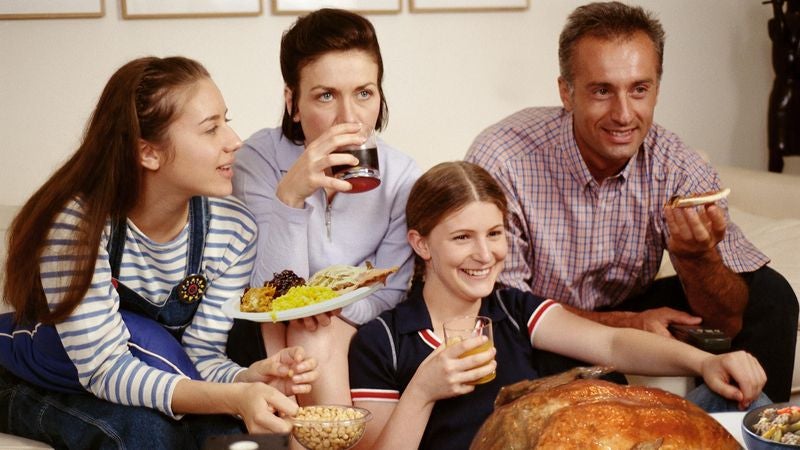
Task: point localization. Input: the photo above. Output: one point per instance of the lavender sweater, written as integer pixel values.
(352, 229)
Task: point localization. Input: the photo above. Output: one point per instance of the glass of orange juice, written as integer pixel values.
(460, 328)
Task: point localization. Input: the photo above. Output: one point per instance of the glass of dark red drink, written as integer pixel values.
(366, 174)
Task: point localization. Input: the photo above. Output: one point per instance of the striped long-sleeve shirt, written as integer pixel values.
(95, 336)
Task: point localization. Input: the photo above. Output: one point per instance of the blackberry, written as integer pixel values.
(284, 281)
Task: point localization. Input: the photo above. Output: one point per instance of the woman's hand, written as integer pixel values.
(260, 406)
(311, 323)
(289, 371)
(443, 374)
(310, 171)
(736, 376)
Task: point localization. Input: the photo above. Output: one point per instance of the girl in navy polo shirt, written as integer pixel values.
(418, 390)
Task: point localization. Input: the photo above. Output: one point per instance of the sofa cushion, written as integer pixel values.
(779, 239)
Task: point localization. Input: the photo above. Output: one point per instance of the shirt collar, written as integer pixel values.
(575, 163)
(413, 315)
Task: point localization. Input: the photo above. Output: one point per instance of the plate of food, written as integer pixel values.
(288, 296)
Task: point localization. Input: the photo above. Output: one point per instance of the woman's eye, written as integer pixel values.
(364, 93)
(460, 237)
(326, 96)
(212, 130)
(496, 233)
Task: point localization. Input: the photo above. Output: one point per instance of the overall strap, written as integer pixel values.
(198, 227)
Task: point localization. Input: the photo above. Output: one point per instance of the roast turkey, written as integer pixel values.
(573, 410)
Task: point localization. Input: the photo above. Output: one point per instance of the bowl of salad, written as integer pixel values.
(770, 427)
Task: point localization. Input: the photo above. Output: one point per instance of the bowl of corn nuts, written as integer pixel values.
(330, 427)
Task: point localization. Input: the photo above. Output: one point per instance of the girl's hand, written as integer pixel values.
(443, 374)
(289, 371)
(736, 376)
(310, 172)
(260, 405)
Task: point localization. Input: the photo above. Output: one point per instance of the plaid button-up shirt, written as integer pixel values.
(580, 242)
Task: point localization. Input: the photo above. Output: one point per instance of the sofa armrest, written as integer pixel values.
(762, 193)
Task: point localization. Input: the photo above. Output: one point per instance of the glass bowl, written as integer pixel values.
(752, 439)
(330, 427)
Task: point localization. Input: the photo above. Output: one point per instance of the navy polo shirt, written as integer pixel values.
(385, 354)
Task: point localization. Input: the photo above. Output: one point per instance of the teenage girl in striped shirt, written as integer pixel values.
(117, 269)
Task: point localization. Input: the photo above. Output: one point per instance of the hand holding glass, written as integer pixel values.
(465, 327)
(366, 175)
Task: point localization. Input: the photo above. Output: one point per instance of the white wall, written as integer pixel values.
(448, 75)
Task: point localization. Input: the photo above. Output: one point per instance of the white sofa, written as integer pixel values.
(765, 205)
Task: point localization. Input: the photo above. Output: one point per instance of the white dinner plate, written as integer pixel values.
(732, 421)
(231, 306)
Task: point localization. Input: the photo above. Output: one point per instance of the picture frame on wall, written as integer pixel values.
(294, 7)
(467, 5)
(160, 9)
(51, 9)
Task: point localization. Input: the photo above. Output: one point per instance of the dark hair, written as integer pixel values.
(445, 189)
(312, 36)
(607, 21)
(140, 101)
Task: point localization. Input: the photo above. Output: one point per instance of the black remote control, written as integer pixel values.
(711, 340)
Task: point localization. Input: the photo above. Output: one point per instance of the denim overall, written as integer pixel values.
(52, 406)
(177, 312)
(35, 352)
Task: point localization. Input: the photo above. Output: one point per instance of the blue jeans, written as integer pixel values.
(712, 402)
(83, 421)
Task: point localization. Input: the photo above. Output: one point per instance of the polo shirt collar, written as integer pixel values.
(413, 315)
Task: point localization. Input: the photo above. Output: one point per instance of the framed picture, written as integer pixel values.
(50, 9)
(466, 5)
(360, 6)
(157, 9)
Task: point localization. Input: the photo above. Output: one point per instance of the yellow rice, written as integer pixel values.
(300, 296)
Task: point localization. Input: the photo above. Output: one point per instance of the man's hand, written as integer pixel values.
(652, 320)
(713, 291)
(657, 320)
(694, 232)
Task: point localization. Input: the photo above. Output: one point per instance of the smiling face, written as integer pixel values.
(612, 98)
(338, 87)
(201, 146)
(463, 253)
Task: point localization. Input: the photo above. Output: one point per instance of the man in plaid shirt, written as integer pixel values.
(588, 184)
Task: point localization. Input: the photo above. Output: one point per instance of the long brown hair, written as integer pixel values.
(312, 36)
(443, 190)
(139, 102)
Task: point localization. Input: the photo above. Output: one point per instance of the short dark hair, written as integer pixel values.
(315, 34)
(607, 20)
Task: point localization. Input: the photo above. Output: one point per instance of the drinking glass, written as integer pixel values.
(465, 327)
(366, 174)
